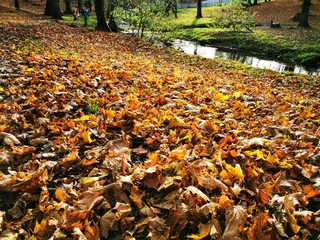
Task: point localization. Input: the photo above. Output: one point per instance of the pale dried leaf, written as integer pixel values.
(78, 234)
(9, 139)
(235, 218)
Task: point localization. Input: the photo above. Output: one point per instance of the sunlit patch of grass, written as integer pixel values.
(92, 21)
(285, 44)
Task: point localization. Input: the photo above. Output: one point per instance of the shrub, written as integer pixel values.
(235, 18)
(140, 16)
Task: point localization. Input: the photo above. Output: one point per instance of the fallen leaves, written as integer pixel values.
(120, 140)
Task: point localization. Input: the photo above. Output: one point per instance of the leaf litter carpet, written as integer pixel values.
(105, 137)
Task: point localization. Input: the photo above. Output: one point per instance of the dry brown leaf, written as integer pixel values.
(235, 220)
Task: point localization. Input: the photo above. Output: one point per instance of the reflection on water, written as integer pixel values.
(211, 52)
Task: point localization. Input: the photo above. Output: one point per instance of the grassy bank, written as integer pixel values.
(288, 43)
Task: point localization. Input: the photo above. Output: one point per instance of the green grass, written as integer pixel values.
(92, 21)
(262, 40)
(187, 17)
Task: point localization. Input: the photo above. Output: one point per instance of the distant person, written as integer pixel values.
(75, 17)
(84, 12)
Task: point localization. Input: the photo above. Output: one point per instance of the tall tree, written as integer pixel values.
(170, 6)
(68, 7)
(80, 3)
(101, 18)
(109, 16)
(199, 9)
(16, 4)
(53, 9)
(303, 21)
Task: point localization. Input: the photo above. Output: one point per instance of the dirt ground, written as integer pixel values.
(282, 11)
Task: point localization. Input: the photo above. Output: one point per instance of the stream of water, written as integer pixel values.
(212, 52)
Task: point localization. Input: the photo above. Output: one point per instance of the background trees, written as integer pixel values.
(303, 21)
(199, 9)
(53, 9)
(171, 5)
(100, 13)
(68, 9)
(140, 15)
(16, 4)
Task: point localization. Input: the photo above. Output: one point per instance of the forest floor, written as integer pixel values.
(103, 136)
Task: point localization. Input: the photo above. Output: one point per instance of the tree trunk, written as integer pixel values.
(101, 18)
(16, 4)
(109, 17)
(47, 10)
(175, 8)
(80, 5)
(304, 14)
(166, 8)
(68, 7)
(53, 9)
(255, 2)
(199, 9)
(56, 12)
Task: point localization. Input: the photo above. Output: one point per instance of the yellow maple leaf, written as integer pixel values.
(221, 97)
(40, 228)
(237, 94)
(82, 118)
(258, 153)
(188, 136)
(232, 172)
(272, 158)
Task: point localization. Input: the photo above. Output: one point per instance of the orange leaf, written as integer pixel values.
(123, 166)
(224, 201)
(235, 153)
(308, 190)
(153, 160)
(86, 136)
(264, 198)
(60, 194)
(39, 228)
(92, 233)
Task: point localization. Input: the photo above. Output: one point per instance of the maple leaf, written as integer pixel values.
(235, 219)
(231, 172)
(289, 206)
(44, 229)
